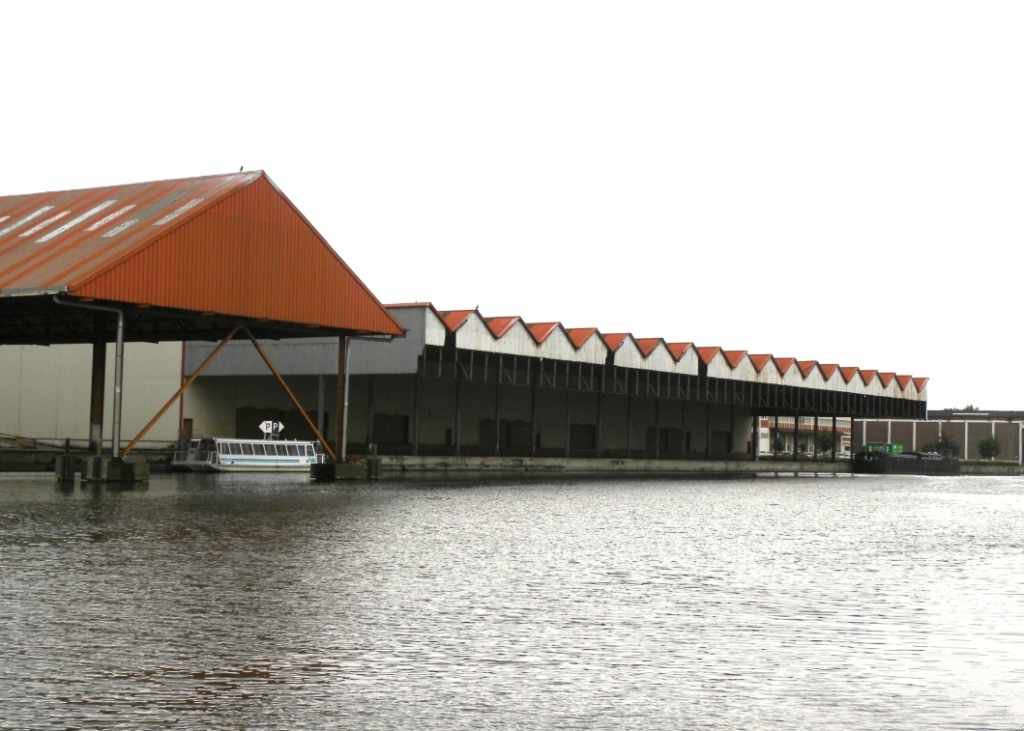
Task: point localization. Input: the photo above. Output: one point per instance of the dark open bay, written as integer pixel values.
(226, 602)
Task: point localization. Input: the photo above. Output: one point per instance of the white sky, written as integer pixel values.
(832, 181)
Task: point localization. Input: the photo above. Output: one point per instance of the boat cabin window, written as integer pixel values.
(309, 450)
(246, 448)
(293, 450)
(235, 447)
(258, 449)
(222, 447)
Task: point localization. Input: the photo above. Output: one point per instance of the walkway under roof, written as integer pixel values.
(186, 259)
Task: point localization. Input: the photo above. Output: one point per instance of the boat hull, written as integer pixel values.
(908, 463)
(246, 455)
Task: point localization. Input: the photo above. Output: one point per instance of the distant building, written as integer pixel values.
(965, 428)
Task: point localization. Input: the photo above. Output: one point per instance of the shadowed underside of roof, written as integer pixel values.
(228, 248)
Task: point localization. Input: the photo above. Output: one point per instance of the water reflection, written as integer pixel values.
(233, 602)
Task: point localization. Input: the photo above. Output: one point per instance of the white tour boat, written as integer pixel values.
(247, 455)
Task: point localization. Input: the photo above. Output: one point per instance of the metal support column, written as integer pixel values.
(707, 430)
(657, 426)
(369, 412)
(568, 413)
(533, 420)
(416, 411)
(341, 402)
(629, 422)
(320, 403)
(497, 411)
(458, 412)
(99, 373)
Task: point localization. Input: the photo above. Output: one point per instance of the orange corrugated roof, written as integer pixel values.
(454, 319)
(806, 366)
(734, 357)
(920, 383)
(784, 364)
(828, 369)
(848, 373)
(759, 361)
(500, 325)
(904, 381)
(678, 350)
(647, 345)
(614, 340)
(868, 376)
(541, 331)
(707, 353)
(232, 245)
(580, 335)
(886, 379)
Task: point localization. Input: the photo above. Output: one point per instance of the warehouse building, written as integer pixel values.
(461, 383)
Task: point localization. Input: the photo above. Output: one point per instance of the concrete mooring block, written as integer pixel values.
(330, 471)
(107, 469)
(65, 467)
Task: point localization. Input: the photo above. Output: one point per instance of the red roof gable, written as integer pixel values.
(868, 376)
(784, 364)
(920, 383)
(614, 340)
(848, 373)
(904, 381)
(678, 350)
(828, 370)
(454, 319)
(500, 325)
(542, 330)
(580, 335)
(806, 366)
(707, 353)
(886, 379)
(759, 361)
(734, 357)
(647, 345)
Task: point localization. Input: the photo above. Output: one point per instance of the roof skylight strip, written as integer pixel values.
(171, 216)
(118, 229)
(107, 219)
(30, 217)
(40, 226)
(75, 221)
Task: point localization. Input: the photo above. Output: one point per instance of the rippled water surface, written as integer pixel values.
(275, 603)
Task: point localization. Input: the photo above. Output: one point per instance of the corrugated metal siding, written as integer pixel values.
(251, 255)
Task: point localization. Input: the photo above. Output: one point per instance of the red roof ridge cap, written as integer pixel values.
(806, 366)
(578, 336)
(678, 350)
(708, 352)
(759, 360)
(784, 364)
(541, 331)
(647, 345)
(734, 357)
(828, 369)
(614, 341)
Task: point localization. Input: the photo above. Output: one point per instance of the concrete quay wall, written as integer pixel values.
(392, 466)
